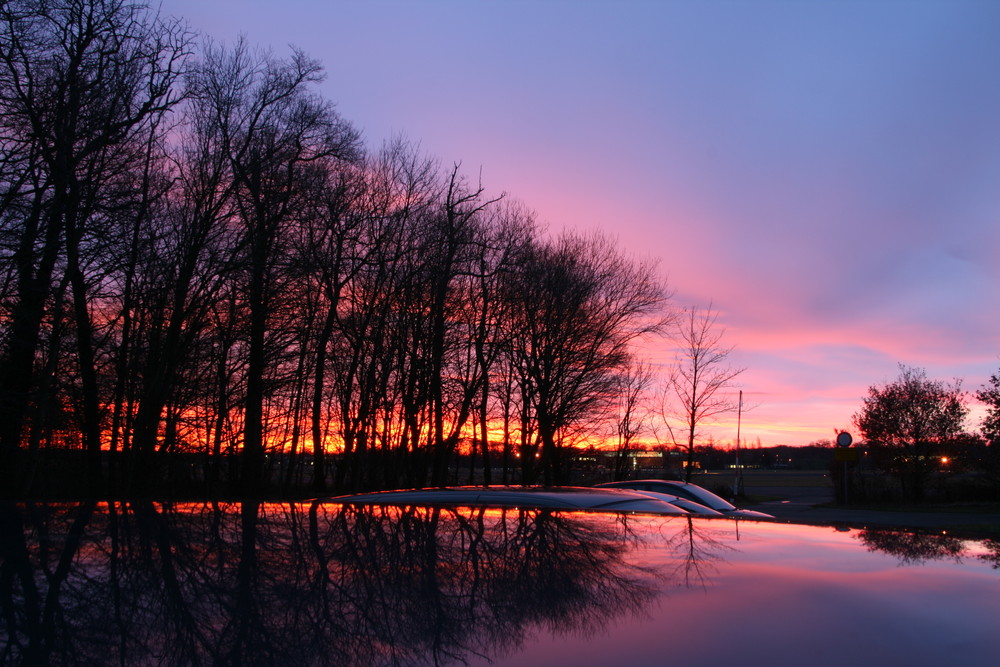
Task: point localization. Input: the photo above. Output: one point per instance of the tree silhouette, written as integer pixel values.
(989, 395)
(209, 285)
(906, 421)
(633, 414)
(272, 132)
(697, 387)
(85, 85)
(580, 304)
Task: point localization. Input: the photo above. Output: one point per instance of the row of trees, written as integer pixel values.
(198, 254)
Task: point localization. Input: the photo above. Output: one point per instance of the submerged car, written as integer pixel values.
(688, 491)
(527, 497)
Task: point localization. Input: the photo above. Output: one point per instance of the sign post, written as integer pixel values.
(845, 455)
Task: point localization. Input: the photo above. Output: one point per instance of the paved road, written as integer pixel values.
(800, 505)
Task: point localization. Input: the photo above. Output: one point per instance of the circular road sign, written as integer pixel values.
(844, 439)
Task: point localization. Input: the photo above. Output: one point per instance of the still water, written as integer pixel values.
(325, 584)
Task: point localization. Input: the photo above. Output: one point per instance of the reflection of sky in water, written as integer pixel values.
(798, 595)
(325, 584)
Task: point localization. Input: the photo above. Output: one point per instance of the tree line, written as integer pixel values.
(200, 256)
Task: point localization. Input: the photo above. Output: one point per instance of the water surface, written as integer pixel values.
(325, 584)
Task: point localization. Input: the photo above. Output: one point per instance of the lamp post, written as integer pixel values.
(738, 482)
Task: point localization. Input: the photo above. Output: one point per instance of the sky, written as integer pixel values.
(825, 174)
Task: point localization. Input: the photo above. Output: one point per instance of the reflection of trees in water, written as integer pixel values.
(992, 554)
(263, 584)
(37, 555)
(914, 548)
(453, 583)
(698, 546)
(910, 547)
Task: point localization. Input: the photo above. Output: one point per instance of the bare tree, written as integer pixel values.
(333, 252)
(633, 417)
(84, 83)
(374, 388)
(697, 389)
(509, 228)
(581, 304)
(454, 253)
(277, 137)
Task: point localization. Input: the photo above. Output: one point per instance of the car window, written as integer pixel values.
(684, 493)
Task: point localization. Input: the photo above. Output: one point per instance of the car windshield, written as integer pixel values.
(683, 489)
(703, 496)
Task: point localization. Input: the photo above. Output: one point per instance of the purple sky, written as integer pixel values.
(827, 174)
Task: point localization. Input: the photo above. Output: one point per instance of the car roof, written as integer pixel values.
(564, 497)
(691, 506)
(699, 492)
